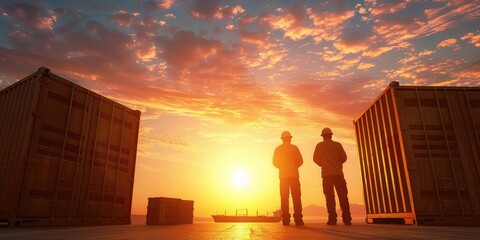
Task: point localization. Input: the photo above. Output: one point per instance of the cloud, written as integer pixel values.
(69, 16)
(392, 30)
(333, 103)
(291, 61)
(261, 51)
(365, 66)
(448, 15)
(156, 5)
(254, 30)
(185, 48)
(30, 15)
(259, 38)
(77, 47)
(148, 168)
(451, 42)
(330, 55)
(468, 74)
(205, 8)
(165, 140)
(425, 68)
(148, 27)
(211, 78)
(211, 9)
(299, 22)
(28, 27)
(380, 8)
(414, 57)
(474, 38)
(353, 42)
(227, 12)
(292, 22)
(123, 18)
(332, 29)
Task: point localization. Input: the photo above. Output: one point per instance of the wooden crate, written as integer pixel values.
(167, 211)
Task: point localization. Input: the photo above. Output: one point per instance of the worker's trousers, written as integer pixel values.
(340, 185)
(286, 185)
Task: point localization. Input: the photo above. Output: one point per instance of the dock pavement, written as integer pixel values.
(212, 231)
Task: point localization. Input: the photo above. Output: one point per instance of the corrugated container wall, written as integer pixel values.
(67, 155)
(419, 152)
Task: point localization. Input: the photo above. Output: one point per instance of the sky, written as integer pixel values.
(217, 81)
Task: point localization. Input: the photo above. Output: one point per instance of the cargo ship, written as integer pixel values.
(241, 215)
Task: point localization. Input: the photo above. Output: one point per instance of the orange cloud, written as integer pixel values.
(292, 22)
(226, 12)
(259, 38)
(332, 29)
(299, 22)
(156, 5)
(184, 48)
(330, 55)
(346, 64)
(474, 39)
(414, 57)
(381, 8)
(451, 42)
(391, 27)
(447, 16)
(365, 66)
(331, 102)
(207, 9)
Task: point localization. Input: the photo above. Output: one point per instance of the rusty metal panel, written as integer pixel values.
(419, 155)
(79, 156)
(17, 105)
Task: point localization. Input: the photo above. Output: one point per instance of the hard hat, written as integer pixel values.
(326, 131)
(286, 134)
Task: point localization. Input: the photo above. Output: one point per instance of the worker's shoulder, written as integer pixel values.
(278, 147)
(287, 146)
(328, 143)
(293, 145)
(336, 142)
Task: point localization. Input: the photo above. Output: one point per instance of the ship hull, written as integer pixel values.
(223, 218)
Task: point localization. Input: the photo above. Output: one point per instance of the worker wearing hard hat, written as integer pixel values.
(287, 158)
(330, 156)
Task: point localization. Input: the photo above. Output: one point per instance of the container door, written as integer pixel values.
(17, 107)
(51, 179)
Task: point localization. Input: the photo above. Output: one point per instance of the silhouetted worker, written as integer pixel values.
(287, 158)
(330, 156)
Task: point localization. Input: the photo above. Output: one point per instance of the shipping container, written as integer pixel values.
(169, 211)
(419, 152)
(67, 154)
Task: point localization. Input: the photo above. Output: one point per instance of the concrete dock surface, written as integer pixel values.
(211, 230)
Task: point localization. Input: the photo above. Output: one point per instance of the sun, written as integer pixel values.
(240, 178)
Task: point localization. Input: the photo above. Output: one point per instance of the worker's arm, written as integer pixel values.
(299, 158)
(343, 155)
(276, 159)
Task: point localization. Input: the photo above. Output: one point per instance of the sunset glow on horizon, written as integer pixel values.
(217, 81)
